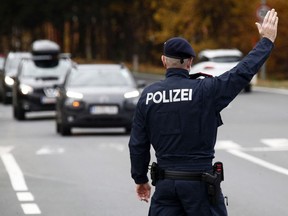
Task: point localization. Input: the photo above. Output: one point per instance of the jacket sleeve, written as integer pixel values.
(139, 146)
(230, 84)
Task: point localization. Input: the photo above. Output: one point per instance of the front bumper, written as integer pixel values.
(83, 118)
(34, 103)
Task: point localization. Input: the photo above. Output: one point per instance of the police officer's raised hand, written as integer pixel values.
(269, 26)
(143, 191)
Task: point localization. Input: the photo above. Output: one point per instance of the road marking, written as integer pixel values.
(14, 172)
(30, 209)
(280, 144)
(18, 182)
(116, 146)
(276, 143)
(258, 161)
(239, 151)
(227, 144)
(50, 150)
(25, 196)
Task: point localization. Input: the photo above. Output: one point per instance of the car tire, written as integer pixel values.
(65, 130)
(128, 129)
(5, 99)
(58, 130)
(248, 88)
(18, 113)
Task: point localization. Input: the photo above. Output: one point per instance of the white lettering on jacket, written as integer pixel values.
(170, 96)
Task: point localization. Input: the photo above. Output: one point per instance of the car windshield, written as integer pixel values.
(13, 61)
(99, 77)
(11, 66)
(31, 70)
(226, 59)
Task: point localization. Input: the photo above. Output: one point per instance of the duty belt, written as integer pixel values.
(213, 179)
(182, 175)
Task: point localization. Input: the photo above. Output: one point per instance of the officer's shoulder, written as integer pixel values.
(200, 75)
(152, 86)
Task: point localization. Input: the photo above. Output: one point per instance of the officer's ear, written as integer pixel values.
(163, 59)
(189, 63)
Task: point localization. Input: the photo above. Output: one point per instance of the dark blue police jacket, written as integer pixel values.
(179, 116)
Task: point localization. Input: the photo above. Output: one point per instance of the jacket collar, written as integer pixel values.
(177, 72)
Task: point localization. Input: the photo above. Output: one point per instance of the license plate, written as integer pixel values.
(98, 110)
(48, 100)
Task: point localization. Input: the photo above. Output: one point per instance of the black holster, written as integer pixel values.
(155, 173)
(213, 182)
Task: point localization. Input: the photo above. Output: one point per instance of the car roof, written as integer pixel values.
(19, 55)
(212, 53)
(100, 66)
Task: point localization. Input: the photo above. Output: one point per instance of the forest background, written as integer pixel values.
(120, 30)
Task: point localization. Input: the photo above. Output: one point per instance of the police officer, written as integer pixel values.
(179, 117)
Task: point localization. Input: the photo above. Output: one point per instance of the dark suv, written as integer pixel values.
(8, 73)
(37, 78)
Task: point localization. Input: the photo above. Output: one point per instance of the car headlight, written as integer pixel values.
(131, 94)
(9, 81)
(25, 89)
(73, 103)
(131, 99)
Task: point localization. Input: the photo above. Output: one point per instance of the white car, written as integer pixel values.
(217, 61)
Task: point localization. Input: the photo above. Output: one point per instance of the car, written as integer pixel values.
(37, 78)
(8, 73)
(2, 61)
(97, 96)
(217, 61)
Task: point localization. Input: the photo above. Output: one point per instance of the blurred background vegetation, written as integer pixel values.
(118, 30)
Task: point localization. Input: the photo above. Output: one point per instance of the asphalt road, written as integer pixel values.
(87, 174)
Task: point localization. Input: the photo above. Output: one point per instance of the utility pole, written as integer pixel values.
(261, 12)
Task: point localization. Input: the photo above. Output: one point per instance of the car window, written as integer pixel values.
(29, 69)
(226, 59)
(11, 65)
(99, 77)
(203, 59)
(12, 62)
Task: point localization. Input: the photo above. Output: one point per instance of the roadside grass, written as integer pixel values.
(282, 84)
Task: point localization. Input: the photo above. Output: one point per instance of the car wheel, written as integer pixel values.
(18, 113)
(5, 99)
(128, 129)
(248, 88)
(65, 130)
(58, 129)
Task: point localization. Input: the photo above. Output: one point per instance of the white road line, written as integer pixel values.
(25, 196)
(258, 161)
(18, 182)
(227, 144)
(50, 150)
(276, 143)
(279, 144)
(14, 172)
(30, 209)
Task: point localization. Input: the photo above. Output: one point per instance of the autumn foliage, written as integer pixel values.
(118, 29)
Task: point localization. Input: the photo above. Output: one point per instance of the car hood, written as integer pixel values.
(212, 68)
(102, 94)
(42, 82)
